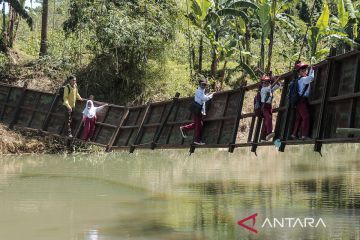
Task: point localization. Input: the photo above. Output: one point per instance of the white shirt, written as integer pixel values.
(201, 98)
(306, 80)
(265, 91)
(91, 111)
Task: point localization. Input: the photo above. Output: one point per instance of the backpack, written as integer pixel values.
(257, 105)
(294, 92)
(61, 92)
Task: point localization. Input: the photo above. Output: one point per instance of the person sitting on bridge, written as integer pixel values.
(89, 118)
(302, 120)
(198, 110)
(266, 92)
(69, 100)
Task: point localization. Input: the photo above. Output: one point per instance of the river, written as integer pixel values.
(167, 194)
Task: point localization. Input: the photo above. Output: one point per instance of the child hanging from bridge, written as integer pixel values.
(89, 118)
(301, 91)
(266, 93)
(198, 110)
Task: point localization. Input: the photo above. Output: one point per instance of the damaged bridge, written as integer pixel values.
(334, 104)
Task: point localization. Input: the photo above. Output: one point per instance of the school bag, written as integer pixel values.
(294, 92)
(61, 92)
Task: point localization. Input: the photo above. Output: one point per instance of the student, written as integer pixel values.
(89, 118)
(302, 120)
(198, 110)
(266, 93)
(69, 100)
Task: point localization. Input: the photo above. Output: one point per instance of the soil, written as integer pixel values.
(20, 141)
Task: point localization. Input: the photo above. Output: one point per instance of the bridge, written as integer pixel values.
(334, 103)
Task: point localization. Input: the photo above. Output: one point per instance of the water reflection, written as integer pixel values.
(169, 195)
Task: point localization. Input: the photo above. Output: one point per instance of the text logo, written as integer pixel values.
(242, 223)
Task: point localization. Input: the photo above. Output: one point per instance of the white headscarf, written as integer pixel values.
(89, 110)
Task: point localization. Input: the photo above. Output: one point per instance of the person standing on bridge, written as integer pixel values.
(198, 110)
(266, 93)
(69, 100)
(89, 118)
(302, 120)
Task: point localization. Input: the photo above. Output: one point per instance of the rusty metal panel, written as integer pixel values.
(45, 102)
(24, 118)
(148, 135)
(30, 98)
(123, 136)
(37, 120)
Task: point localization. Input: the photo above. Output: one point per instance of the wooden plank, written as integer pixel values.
(116, 132)
(257, 134)
(36, 103)
(348, 130)
(222, 121)
(132, 130)
(18, 110)
(321, 120)
(164, 122)
(139, 132)
(237, 119)
(277, 129)
(101, 125)
(354, 100)
(251, 130)
(52, 107)
(7, 100)
(171, 129)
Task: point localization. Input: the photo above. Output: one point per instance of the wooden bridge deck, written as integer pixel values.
(334, 101)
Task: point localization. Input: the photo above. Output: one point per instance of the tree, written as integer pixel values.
(16, 10)
(44, 26)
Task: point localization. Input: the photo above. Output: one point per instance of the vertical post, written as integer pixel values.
(354, 100)
(257, 134)
(282, 104)
(321, 121)
(237, 119)
(140, 129)
(251, 130)
(117, 130)
(51, 109)
(18, 108)
(162, 125)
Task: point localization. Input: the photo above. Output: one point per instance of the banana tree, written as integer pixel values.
(326, 32)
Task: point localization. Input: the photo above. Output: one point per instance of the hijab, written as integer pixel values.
(89, 110)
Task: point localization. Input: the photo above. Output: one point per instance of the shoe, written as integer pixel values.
(70, 135)
(199, 143)
(305, 138)
(270, 136)
(293, 137)
(183, 134)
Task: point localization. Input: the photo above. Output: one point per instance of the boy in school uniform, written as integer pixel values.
(266, 92)
(198, 110)
(302, 120)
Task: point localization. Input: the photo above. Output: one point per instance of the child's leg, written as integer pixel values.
(92, 128)
(86, 129)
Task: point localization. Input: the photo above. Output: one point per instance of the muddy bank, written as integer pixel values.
(19, 141)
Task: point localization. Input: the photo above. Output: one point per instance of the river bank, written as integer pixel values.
(21, 141)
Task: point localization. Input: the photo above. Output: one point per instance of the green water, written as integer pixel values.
(170, 195)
